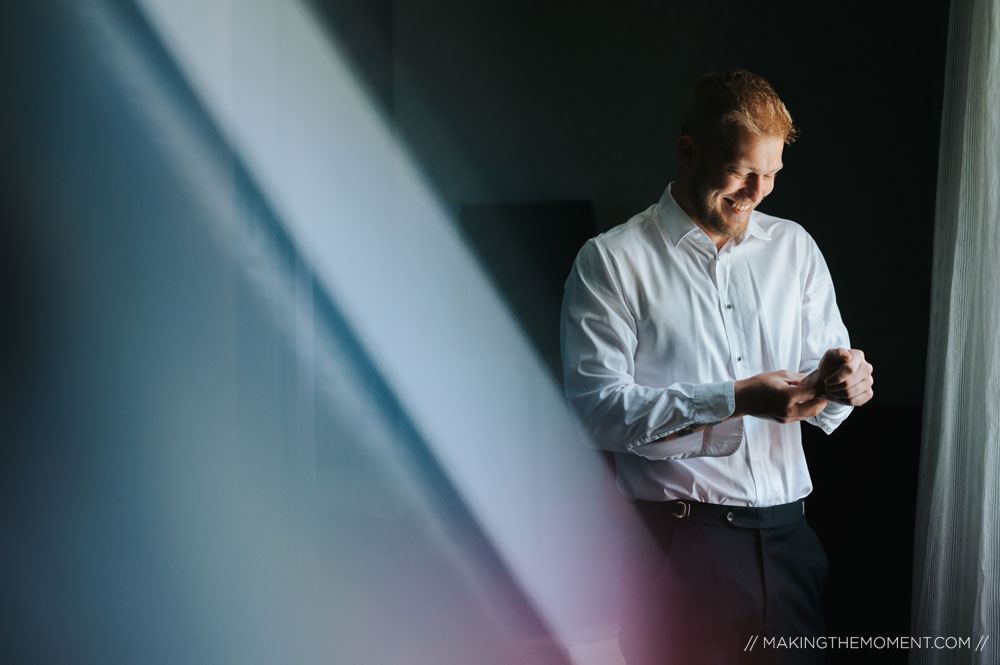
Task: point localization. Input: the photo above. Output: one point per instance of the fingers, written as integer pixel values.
(794, 387)
(836, 354)
(853, 387)
(850, 375)
(788, 397)
(804, 410)
(789, 376)
(857, 400)
(843, 382)
(862, 398)
(851, 364)
(832, 360)
(801, 392)
(800, 402)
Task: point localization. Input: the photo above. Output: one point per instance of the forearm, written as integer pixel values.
(659, 423)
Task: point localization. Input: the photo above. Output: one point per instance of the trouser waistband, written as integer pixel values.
(714, 514)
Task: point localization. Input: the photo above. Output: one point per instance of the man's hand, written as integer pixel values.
(777, 396)
(843, 376)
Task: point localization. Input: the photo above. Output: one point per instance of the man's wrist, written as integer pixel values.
(740, 388)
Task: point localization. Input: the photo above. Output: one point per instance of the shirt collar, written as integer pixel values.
(676, 223)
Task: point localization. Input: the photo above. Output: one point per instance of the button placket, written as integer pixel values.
(741, 319)
(733, 329)
(722, 271)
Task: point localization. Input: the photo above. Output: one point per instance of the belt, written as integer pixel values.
(714, 514)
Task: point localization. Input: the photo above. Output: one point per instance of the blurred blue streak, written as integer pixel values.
(264, 407)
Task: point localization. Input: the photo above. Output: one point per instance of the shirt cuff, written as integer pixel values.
(830, 418)
(713, 404)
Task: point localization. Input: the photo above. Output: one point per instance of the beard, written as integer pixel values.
(712, 211)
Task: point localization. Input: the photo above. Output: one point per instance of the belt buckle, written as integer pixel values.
(685, 509)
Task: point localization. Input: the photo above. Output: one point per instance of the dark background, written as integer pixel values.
(539, 124)
(542, 123)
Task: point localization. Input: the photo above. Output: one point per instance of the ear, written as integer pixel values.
(686, 151)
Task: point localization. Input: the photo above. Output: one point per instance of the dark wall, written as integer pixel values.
(575, 107)
(525, 116)
(543, 101)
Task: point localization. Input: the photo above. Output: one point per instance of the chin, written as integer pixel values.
(725, 226)
(738, 228)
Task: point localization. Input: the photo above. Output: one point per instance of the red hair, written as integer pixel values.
(740, 98)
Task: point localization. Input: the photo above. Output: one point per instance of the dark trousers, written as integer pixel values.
(714, 580)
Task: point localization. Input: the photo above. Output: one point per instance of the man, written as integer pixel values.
(695, 337)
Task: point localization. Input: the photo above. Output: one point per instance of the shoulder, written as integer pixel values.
(625, 239)
(780, 228)
(609, 258)
(786, 234)
(792, 246)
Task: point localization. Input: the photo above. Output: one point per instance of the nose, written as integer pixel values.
(756, 188)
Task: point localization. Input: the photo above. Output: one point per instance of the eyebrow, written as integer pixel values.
(744, 167)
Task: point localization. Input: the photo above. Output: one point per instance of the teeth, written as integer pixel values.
(742, 207)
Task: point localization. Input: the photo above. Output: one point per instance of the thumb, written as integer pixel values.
(831, 360)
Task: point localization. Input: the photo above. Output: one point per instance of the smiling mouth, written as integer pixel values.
(738, 208)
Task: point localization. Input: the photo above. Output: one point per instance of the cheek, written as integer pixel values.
(732, 185)
(725, 185)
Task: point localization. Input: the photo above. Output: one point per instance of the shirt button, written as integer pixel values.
(729, 306)
(739, 359)
(730, 517)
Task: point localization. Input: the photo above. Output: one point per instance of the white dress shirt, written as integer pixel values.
(657, 325)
